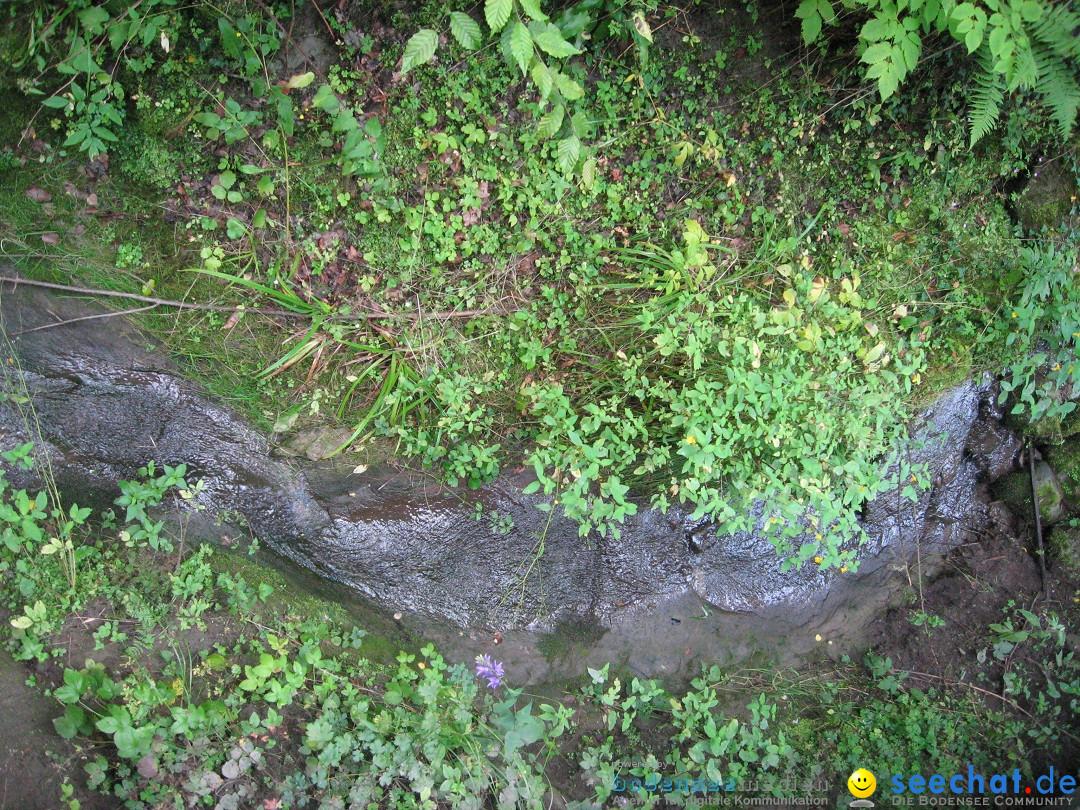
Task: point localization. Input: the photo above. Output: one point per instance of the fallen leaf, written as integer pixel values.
(38, 195)
(50, 238)
(91, 200)
(147, 767)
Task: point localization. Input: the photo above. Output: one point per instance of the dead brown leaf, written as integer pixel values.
(50, 238)
(38, 195)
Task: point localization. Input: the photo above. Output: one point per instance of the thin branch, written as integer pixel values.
(83, 318)
(144, 298)
(359, 316)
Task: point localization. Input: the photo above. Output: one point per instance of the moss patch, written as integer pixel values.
(1049, 199)
(1065, 459)
(1014, 491)
(1063, 544)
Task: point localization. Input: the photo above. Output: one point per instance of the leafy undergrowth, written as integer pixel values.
(204, 686)
(737, 299)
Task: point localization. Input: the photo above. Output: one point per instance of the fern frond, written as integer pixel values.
(1058, 88)
(1059, 30)
(986, 97)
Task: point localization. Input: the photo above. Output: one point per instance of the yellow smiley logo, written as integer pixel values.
(861, 783)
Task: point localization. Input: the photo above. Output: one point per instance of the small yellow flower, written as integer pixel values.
(817, 536)
(819, 560)
(691, 440)
(421, 665)
(1015, 315)
(1057, 367)
(843, 569)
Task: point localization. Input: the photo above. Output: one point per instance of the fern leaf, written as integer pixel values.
(1059, 89)
(1059, 29)
(986, 98)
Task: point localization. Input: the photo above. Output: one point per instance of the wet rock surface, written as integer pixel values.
(107, 401)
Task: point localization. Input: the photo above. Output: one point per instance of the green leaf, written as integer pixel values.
(1031, 11)
(811, 28)
(55, 103)
(551, 123)
(234, 228)
(877, 53)
(497, 13)
(466, 30)
(588, 174)
(93, 20)
(68, 724)
(521, 46)
(550, 40)
(568, 152)
(533, 10)
(300, 81)
(570, 89)
(325, 100)
(641, 25)
(419, 49)
(580, 124)
(541, 77)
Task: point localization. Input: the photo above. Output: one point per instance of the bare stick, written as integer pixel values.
(83, 318)
(1038, 522)
(164, 302)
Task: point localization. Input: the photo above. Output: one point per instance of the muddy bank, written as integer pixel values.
(105, 401)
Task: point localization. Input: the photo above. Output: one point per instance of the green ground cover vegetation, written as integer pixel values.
(202, 679)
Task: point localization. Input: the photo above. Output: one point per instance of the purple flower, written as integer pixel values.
(492, 670)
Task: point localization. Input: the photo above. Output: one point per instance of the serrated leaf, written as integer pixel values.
(811, 28)
(641, 25)
(533, 10)
(588, 174)
(874, 30)
(568, 152)
(497, 13)
(1031, 11)
(466, 30)
(521, 46)
(420, 49)
(570, 89)
(550, 40)
(877, 53)
(551, 123)
(580, 124)
(541, 77)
